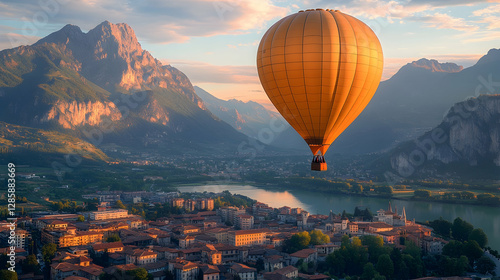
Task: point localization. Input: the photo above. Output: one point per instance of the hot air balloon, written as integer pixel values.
(320, 68)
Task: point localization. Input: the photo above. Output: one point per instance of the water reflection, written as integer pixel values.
(487, 218)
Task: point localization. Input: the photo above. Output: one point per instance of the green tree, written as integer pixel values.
(479, 236)
(441, 227)
(385, 266)
(461, 266)
(8, 275)
(375, 245)
(368, 272)
(318, 237)
(461, 229)
(422, 193)
(120, 204)
(48, 252)
(113, 238)
(139, 274)
(485, 265)
(297, 242)
(453, 249)
(31, 265)
(472, 251)
(467, 195)
(80, 218)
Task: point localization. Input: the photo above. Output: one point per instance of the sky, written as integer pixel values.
(215, 41)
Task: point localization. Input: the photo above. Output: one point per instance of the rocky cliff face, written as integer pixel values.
(71, 114)
(70, 80)
(111, 57)
(469, 134)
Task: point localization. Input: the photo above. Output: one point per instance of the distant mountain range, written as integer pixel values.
(410, 103)
(248, 117)
(102, 85)
(466, 142)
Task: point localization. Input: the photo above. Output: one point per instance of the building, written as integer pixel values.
(220, 233)
(140, 256)
(80, 238)
(22, 239)
(244, 221)
(186, 241)
(183, 270)
(229, 213)
(306, 255)
(249, 237)
(67, 237)
(111, 247)
(289, 271)
(108, 214)
(178, 202)
(210, 272)
(243, 271)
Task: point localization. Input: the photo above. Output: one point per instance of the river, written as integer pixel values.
(487, 218)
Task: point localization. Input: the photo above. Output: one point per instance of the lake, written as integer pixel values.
(487, 218)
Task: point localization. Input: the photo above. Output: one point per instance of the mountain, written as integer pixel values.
(30, 141)
(247, 117)
(103, 82)
(468, 139)
(411, 102)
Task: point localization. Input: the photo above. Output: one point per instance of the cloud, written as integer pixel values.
(202, 72)
(444, 21)
(11, 40)
(489, 16)
(447, 3)
(156, 21)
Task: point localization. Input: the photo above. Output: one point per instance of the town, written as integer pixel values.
(203, 237)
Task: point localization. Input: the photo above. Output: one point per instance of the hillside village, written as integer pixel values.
(201, 243)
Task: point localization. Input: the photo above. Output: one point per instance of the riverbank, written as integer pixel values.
(321, 203)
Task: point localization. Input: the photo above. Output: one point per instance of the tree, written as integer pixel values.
(485, 265)
(453, 249)
(113, 238)
(472, 251)
(48, 252)
(297, 242)
(80, 218)
(120, 204)
(461, 229)
(375, 245)
(31, 265)
(318, 237)
(422, 193)
(385, 266)
(368, 272)
(358, 188)
(8, 275)
(467, 195)
(138, 274)
(441, 227)
(479, 236)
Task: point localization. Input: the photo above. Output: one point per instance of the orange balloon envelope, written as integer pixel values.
(320, 68)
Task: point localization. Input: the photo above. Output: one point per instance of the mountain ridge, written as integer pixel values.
(71, 81)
